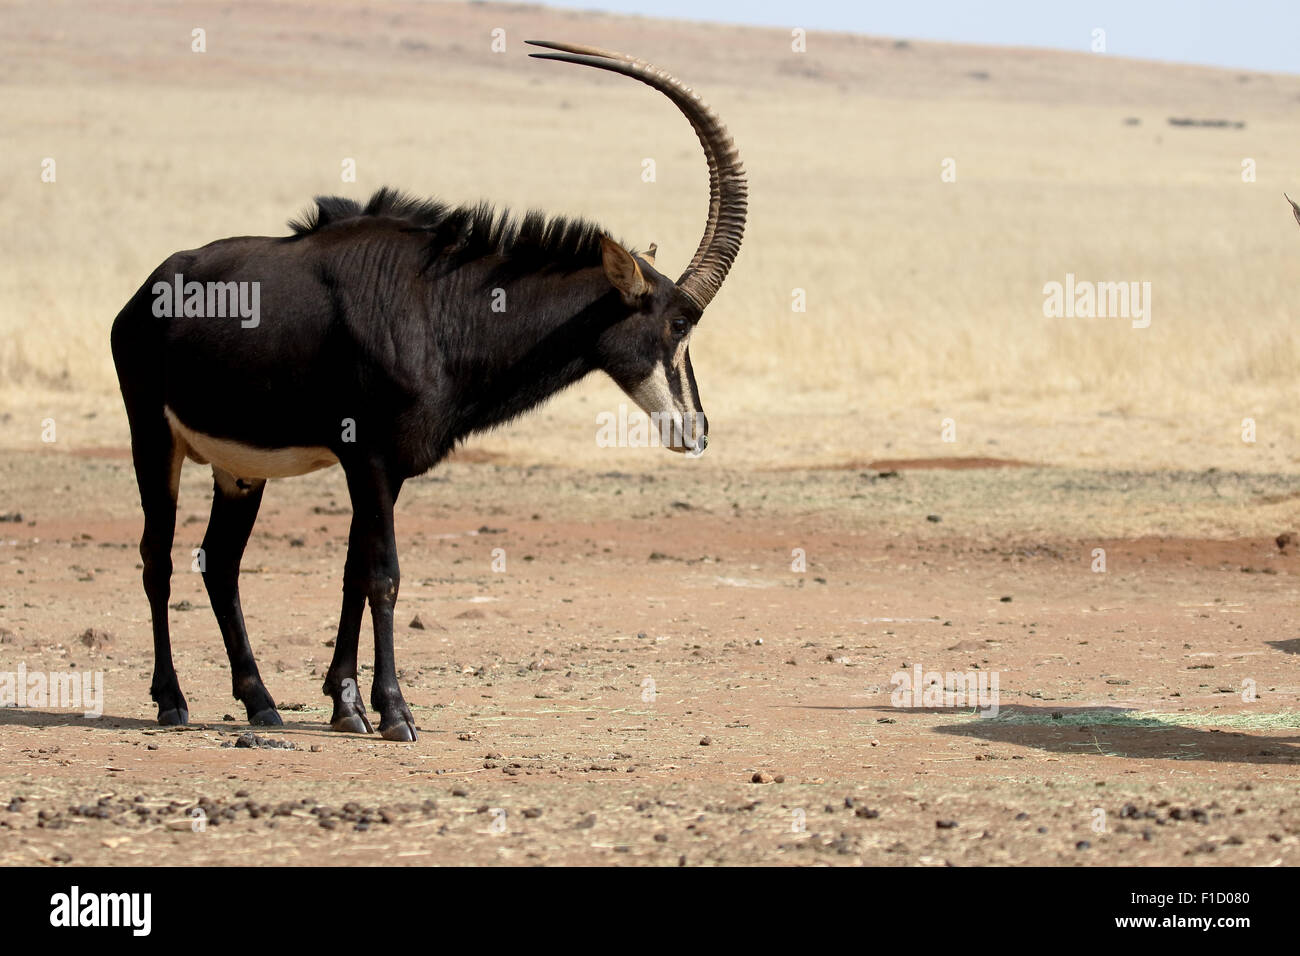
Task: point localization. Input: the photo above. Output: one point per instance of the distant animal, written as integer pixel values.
(377, 337)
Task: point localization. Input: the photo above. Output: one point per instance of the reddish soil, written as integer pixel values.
(953, 464)
(647, 655)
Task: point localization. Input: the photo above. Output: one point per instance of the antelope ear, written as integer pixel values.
(622, 269)
(649, 254)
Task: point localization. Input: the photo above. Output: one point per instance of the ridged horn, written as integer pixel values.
(728, 190)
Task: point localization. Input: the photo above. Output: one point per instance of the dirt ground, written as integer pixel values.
(650, 680)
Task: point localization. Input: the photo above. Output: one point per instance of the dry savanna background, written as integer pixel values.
(909, 203)
(924, 298)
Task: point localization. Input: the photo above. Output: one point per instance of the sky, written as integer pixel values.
(1246, 34)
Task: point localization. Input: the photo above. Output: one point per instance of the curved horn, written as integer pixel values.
(728, 191)
(715, 200)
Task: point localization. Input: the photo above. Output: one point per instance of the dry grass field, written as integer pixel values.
(772, 737)
(924, 297)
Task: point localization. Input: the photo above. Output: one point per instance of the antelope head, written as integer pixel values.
(648, 353)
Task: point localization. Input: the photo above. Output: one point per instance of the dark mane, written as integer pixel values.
(462, 234)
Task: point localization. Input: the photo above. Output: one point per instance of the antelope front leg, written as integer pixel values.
(341, 681)
(376, 572)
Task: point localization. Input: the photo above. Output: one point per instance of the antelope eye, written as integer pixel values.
(680, 327)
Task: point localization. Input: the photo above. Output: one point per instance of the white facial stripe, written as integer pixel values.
(693, 430)
(679, 370)
(654, 396)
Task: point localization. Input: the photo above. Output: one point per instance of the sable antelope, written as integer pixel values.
(369, 340)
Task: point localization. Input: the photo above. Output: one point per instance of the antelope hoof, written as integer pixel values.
(349, 713)
(353, 723)
(402, 730)
(174, 717)
(267, 717)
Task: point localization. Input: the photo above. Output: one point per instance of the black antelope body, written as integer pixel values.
(369, 339)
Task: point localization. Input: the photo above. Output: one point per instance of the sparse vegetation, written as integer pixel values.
(924, 298)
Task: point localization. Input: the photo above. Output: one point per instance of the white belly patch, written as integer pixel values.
(248, 461)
